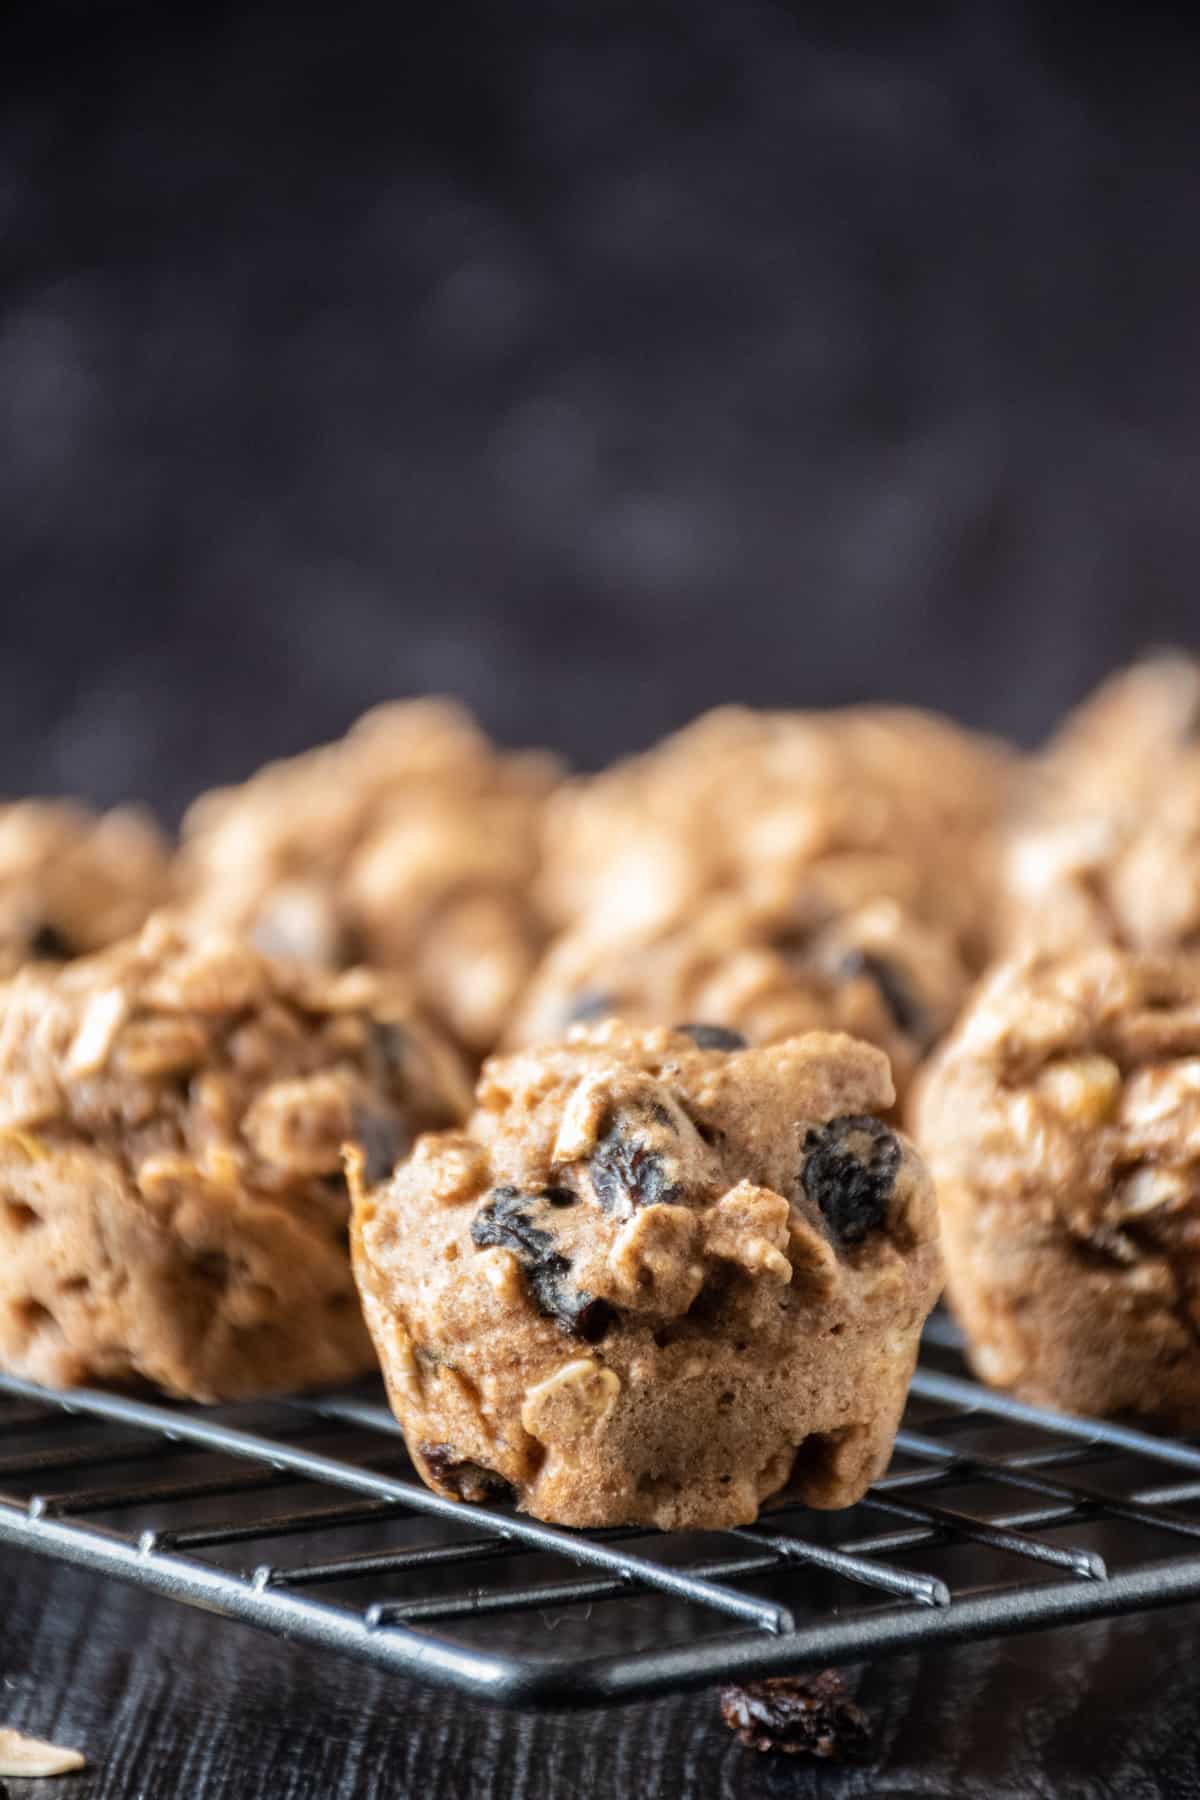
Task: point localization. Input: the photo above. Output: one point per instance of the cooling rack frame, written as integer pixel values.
(905, 1609)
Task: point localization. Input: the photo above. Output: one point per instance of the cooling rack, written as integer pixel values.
(303, 1518)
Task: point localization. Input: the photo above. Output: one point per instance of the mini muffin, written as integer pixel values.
(1109, 752)
(658, 1279)
(1107, 849)
(411, 843)
(73, 881)
(763, 973)
(1062, 1124)
(172, 1116)
(854, 806)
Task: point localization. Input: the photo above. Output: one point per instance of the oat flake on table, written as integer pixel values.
(26, 1756)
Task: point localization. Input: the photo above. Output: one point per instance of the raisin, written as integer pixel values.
(906, 1010)
(574, 1311)
(383, 1139)
(799, 1715)
(48, 944)
(505, 1221)
(583, 1315)
(211, 1267)
(713, 1037)
(590, 1005)
(466, 1480)
(561, 1196)
(622, 1169)
(391, 1044)
(850, 1171)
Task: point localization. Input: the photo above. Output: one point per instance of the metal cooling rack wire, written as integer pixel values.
(917, 1507)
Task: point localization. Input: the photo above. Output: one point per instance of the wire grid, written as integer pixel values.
(994, 1517)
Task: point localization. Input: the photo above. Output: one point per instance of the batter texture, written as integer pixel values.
(172, 1203)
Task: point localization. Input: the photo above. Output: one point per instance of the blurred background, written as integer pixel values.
(596, 364)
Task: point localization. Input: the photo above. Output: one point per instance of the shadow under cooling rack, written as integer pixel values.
(303, 1517)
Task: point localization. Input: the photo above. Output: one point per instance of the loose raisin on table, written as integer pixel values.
(799, 1715)
(505, 1221)
(850, 1171)
(713, 1037)
(906, 1010)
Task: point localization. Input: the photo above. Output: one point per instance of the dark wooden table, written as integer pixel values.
(169, 1704)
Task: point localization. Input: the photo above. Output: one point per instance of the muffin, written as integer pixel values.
(658, 1279)
(836, 809)
(74, 881)
(765, 973)
(1061, 1121)
(411, 843)
(1107, 849)
(172, 1116)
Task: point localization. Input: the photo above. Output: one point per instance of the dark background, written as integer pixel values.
(597, 363)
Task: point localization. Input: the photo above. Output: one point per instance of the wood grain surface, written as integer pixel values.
(169, 1704)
